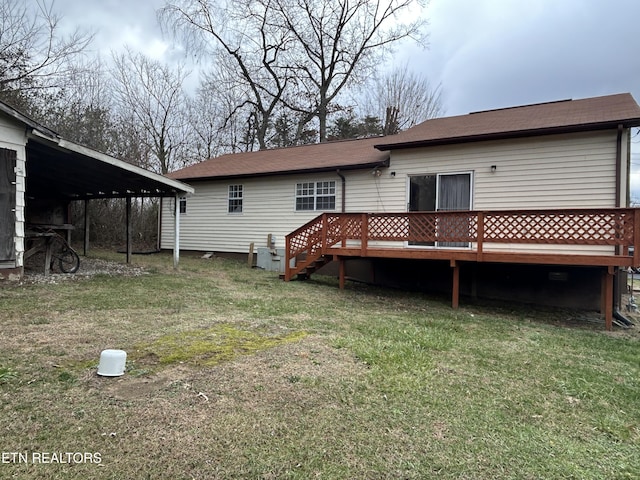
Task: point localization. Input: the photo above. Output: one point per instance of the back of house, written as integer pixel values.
(571, 154)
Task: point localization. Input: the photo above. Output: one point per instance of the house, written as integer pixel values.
(41, 173)
(528, 162)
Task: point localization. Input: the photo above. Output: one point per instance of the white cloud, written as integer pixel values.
(117, 23)
(138, 40)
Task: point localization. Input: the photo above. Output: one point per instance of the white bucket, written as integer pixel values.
(112, 363)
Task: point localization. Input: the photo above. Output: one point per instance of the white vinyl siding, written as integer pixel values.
(553, 171)
(545, 172)
(13, 137)
(268, 208)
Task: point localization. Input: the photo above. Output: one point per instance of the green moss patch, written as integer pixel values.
(220, 343)
(7, 374)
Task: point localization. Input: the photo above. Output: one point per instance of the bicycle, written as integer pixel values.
(44, 239)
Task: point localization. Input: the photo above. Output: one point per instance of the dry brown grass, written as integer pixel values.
(314, 382)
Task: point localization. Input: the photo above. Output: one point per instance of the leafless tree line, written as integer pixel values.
(273, 73)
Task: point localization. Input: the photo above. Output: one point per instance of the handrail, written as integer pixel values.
(619, 227)
(304, 240)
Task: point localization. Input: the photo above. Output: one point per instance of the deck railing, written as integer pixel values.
(616, 227)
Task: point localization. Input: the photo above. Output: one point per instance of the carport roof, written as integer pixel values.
(61, 169)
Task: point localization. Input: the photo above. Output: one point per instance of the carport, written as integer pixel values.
(54, 171)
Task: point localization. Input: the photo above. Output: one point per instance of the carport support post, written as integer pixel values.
(129, 232)
(86, 227)
(176, 232)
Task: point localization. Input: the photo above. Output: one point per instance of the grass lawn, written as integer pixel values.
(232, 373)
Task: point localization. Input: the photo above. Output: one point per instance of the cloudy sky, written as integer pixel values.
(496, 53)
(484, 53)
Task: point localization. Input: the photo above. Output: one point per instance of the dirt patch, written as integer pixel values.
(137, 388)
(89, 267)
(281, 375)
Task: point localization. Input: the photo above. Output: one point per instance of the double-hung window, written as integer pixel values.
(235, 198)
(316, 196)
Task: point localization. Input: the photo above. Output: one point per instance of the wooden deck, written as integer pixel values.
(587, 237)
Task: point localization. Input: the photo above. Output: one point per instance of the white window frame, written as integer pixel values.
(329, 185)
(235, 193)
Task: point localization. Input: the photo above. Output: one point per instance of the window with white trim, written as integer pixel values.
(316, 196)
(183, 205)
(235, 198)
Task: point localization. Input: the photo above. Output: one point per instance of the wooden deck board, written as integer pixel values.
(488, 257)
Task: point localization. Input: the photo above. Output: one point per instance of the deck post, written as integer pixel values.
(287, 258)
(603, 293)
(325, 226)
(455, 295)
(364, 235)
(341, 272)
(343, 230)
(480, 235)
(607, 299)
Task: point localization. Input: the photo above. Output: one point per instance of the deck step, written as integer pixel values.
(313, 266)
(306, 272)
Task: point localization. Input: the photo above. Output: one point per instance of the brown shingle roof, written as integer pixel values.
(343, 155)
(554, 117)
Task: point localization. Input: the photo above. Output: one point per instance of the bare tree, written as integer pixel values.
(206, 115)
(340, 42)
(150, 97)
(239, 121)
(33, 52)
(81, 110)
(241, 32)
(402, 98)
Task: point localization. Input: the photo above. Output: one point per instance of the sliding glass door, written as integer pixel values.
(441, 192)
(454, 193)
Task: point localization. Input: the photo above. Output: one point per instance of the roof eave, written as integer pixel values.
(21, 117)
(160, 185)
(360, 166)
(634, 122)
